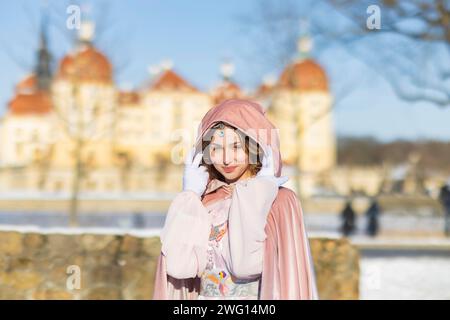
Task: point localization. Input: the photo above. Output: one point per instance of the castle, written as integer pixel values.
(73, 129)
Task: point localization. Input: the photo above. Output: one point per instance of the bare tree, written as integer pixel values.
(410, 51)
(43, 163)
(414, 38)
(274, 28)
(80, 124)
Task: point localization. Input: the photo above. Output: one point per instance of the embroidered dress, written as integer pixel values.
(217, 282)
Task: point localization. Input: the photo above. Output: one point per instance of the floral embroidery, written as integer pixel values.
(222, 280)
(216, 280)
(217, 232)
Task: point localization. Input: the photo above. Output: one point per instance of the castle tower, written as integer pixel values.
(44, 59)
(301, 108)
(227, 88)
(85, 99)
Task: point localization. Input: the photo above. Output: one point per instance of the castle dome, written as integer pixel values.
(304, 75)
(87, 65)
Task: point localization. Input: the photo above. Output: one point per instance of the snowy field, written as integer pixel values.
(388, 223)
(314, 222)
(417, 275)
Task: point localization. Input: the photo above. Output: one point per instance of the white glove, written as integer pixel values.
(195, 177)
(267, 169)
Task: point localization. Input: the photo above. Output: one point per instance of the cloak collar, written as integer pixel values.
(215, 184)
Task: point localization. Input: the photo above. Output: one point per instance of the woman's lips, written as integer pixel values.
(229, 169)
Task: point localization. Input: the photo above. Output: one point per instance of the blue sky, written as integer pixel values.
(197, 36)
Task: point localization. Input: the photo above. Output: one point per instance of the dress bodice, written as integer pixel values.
(217, 281)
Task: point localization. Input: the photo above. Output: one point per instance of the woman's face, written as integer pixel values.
(227, 154)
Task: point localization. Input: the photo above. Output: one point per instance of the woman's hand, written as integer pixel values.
(195, 177)
(267, 170)
(229, 189)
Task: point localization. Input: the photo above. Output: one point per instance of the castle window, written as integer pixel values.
(37, 155)
(96, 111)
(110, 185)
(58, 186)
(91, 185)
(19, 150)
(19, 132)
(35, 136)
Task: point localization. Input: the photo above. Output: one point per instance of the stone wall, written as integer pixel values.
(122, 266)
(336, 264)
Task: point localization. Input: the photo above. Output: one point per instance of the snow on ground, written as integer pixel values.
(81, 230)
(387, 223)
(405, 277)
(314, 222)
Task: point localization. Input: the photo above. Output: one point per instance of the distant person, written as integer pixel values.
(348, 219)
(138, 220)
(444, 198)
(372, 215)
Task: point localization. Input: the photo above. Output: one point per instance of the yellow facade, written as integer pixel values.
(303, 113)
(135, 141)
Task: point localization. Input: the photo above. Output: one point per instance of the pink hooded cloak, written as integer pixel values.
(287, 270)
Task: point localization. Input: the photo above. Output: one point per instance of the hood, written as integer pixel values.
(249, 117)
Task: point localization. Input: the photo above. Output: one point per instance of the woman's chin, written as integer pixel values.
(233, 176)
(230, 176)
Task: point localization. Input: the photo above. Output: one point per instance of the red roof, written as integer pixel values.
(38, 102)
(27, 84)
(170, 81)
(305, 75)
(226, 90)
(263, 90)
(86, 65)
(128, 98)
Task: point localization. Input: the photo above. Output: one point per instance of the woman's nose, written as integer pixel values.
(227, 156)
(225, 159)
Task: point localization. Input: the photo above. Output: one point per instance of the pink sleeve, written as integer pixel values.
(250, 205)
(169, 288)
(184, 236)
(288, 270)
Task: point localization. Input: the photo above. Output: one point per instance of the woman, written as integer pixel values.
(234, 232)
